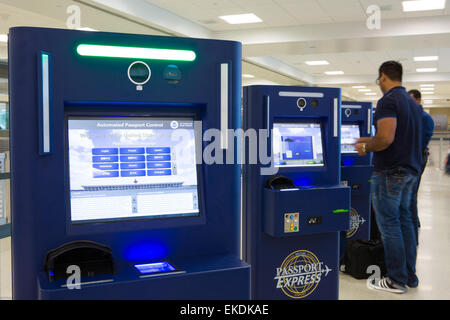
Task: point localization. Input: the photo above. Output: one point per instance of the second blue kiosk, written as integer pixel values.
(356, 170)
(294, 206)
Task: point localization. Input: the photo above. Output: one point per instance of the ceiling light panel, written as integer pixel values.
(426, 58)
(426, 69)
(333, 73)
(241, 18)
(317, 63)
(423, 5)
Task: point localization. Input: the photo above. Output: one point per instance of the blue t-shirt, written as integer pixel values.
(428, 128)
(405, 152)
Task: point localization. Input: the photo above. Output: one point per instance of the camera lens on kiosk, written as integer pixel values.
(301, 103)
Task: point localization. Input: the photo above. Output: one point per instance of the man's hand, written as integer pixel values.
(359, 149)
(386, 128)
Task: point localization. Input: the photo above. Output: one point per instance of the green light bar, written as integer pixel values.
(91, 50)
(340, 211)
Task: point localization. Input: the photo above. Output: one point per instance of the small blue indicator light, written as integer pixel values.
(349, 162)
(155, 267)
(303, 181)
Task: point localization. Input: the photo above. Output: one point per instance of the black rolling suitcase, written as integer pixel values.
(360, 255)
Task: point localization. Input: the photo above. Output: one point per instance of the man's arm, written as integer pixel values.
(386, 128)
(428, 128)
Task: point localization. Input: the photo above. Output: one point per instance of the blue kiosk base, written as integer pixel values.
(357, 178)
(228, 275)
(298, 268)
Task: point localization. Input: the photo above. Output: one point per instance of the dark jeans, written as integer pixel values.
(414, 211)
(391, 198)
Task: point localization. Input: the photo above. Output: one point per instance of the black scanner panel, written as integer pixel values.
(91, 257)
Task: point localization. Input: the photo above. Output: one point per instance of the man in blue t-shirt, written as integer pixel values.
(428, 128)
(397, 148)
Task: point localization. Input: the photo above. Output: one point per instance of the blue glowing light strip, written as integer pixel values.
(45, 103)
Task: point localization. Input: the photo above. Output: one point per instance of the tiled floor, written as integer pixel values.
(433, 258)
(433, 252)
(5, 268)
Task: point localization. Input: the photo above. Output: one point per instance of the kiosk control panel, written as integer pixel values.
(291, 222)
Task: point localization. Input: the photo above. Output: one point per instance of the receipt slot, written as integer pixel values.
(105, 178)
(355, 170)
(291, 231)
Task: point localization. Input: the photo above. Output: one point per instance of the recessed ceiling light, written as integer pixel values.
(332, 73)
(371, 94)
(427, 92)
(427, 85)
(3, 38)
(86, 29)
(423, 5)
(426, 69)
(426, 58)
(317, 63)
(364, 90)
(428, 101)
(427, 89)
(248, 76)
(358, 87)
(241, 18)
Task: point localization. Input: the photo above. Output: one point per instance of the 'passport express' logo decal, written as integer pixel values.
(300, 274)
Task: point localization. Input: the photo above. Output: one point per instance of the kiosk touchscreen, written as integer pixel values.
(297, 144)
(107, 184)
(294, 207)
(132, 169)
(356, 170)
(350, 133)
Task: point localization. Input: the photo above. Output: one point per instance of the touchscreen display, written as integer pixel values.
(131, 168)
(297, 144)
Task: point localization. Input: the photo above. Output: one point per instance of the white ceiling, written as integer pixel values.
(275, 51)
(278, 13)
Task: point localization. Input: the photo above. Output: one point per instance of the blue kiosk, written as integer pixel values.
(356, 171)
(294, 207)
(109, 199)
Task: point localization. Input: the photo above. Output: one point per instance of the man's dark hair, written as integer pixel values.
(416, 93)
(392, 69)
